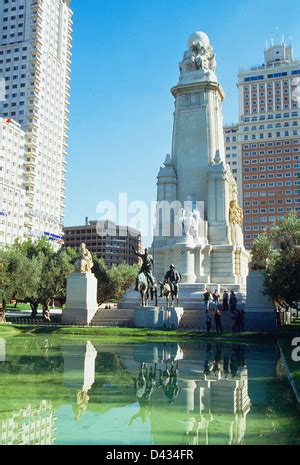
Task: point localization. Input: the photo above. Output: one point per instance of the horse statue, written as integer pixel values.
(170, 292)
(146, 290)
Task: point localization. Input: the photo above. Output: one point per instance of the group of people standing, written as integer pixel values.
(227, 303)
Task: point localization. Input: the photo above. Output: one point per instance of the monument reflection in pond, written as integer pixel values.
(165, 393)
(213, 397)
(79, 373)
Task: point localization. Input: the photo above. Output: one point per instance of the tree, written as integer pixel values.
(280, 247)
(33, 272)
(261, 252)
(113, 282)
(122, 277)
(19, 274)
(101, 272)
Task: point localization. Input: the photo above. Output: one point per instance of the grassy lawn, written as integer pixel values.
(20, 307)
(133, 334)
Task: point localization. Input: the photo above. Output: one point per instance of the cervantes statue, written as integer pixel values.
(84, 260)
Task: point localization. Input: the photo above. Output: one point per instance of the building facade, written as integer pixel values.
(35, 52)
(267, 140)
(109, 241)
(12, 191)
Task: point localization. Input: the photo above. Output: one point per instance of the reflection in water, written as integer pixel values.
(79, 371)
(154, 393)
(29, 426)
(170, 383)
(220, 387)
(146, 383)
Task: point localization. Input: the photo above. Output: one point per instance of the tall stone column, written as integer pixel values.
(186, 262)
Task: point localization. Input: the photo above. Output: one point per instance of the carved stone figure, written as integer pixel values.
(190, 221)
(235, 213)
(200, 54)
(84, 261)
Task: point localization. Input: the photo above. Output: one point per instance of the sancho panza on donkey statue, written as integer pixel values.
(169, 288)
(145, 281)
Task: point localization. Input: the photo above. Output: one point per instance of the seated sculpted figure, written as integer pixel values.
(84, 261)
(235, 213)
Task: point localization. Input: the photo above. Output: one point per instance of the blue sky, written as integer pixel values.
(125, 60)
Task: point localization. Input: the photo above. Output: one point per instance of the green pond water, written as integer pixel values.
(69, 391)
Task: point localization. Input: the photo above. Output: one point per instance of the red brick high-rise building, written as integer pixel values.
(268, 140)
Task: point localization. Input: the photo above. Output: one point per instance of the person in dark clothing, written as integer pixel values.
(206, 297)
(232, 302)
(217, 317)
(239, 321)
(234, 321)
(225, 301)
(208, 321)
(216, 297)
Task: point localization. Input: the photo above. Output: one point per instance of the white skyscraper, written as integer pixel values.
(12, 192)
(35, 57)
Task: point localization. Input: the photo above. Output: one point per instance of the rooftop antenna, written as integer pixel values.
(277, 40)
(283, 39)
(267, 45)
(272, 42)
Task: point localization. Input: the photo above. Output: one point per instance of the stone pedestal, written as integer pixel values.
(81, 304)
(259, 311)
(158, 317)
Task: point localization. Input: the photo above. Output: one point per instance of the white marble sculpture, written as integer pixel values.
(84, 261)
(81, 302)
(199, 56)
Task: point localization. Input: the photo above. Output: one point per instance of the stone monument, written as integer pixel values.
(81, 303)
(260, 314)
(198, 220)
